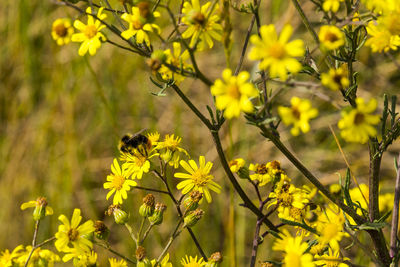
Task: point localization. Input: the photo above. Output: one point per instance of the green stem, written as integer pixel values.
(33, 242)
(305, 20)
(146, 233)
(130, 230)
(115, 252)
(141, 228)
(171, 239)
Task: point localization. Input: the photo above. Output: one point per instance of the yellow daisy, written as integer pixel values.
(331, 37)
(197, 178)
(335, 79)
(332, 259)
(38, 256)
(119, 183)
(178, 59)
(276, 53)
(8, 259)
(74, 233)
(298, 114)
(192, 262)
(202, 24)
(331, 5)
(90, 34)
(233, 93)
(62, 30)
(117, 263)
(170, 151)
(41, 208)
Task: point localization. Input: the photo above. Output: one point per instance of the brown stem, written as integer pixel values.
(395, 216)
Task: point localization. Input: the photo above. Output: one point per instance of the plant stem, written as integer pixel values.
(33, 242)
(374, 168)
(255, 243)
(171, 239)
(305, 21)
(115, 252)
(141, 228)
(130, 230)
(146, 233)
(395, 215)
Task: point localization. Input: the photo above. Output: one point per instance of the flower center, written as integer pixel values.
(296, 113)
(286, 199)
(90, 31)
(199, 18)
(277, 51)
(295, 213)
(60, 30)
(137, 25)
(118, 182)
(331, 37)
(199, 178)
(337, 79)
(262, 169)
(293, 259)
(330, 231)
(331, 263)
(233, 91)
(359, 118)
(73, 234)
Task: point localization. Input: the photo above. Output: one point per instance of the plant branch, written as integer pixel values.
(33, 242)
(115, 252)
(395, 215)
(305, 20)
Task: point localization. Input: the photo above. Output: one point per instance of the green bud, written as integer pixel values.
(40, 209)
(144, 263)
(192, 202)
(214, 260)
(157, 216)
(244, 173)
(192, 218)
(147, 208)
(120, 216)
(101, 231)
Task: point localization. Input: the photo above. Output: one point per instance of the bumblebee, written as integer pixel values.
(133, 144)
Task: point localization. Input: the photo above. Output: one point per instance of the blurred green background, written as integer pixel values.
(62, 116)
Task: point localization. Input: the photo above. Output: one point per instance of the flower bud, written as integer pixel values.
(192, 218)
(40, 210)
(192, 202)
(147, 208)
(120, 216)
(100, 230)
(157, 216)
(214, 260)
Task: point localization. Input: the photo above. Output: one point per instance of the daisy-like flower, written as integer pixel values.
(202, 22)
(81, 260)
(197, 178)
(332, 259)
(233, 93)
(298, 114)
(335, 79)
(331, 37)
(90, 34)
(164, 263)
(41, 208)
(357, 123)
(38, 256)
(62, 30)
(265, 173)
(178, 59)
(189, 261)
(140, 23)
(8, 259)
(236, 164)
(119, 183)
(117, 263)
(381, 39)
(276, 53)
(74, 234)
(294, 249)
(331, 5)
(136, 165)
(380, 6)
(170, 151)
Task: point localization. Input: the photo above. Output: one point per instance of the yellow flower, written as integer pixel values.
(176, 58)
(275, 53)
(332, 259)
(381, 39)
(202, 24)
(331, 5)
(380, 6)
(74, 233)
(140, 22)
(331, 37)
(39, 256)
(82, 260)
(90, 34)
(233, 93)
(357, 123)
(335, 79)
(192, 262)
(41, 208)
(298, 114)
(117, 263)
(294, 249)
(197, 178)
(330, 227)
(8, 259)
(164, 263)
(266, 173)
(236, 164)
(169, 150)
(119, 183)
(62, 30)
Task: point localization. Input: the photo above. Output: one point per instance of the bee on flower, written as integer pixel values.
(198, 178)
(71, 233)
(233, 93)
(331, 37)
(90, 34)
(140, 23)
(298, 114)
(336, 79)
(119, 183)
(203, 24)
(275, 52)
(170, 151)
(357, 124)
(62, 30)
